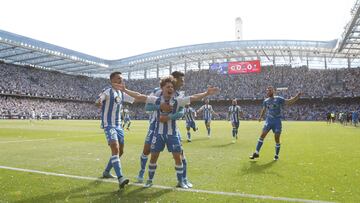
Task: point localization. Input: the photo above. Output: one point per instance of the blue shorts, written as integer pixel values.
(190, 124)
(273, 124)
(114, 134)
(126, 120)
(172, 143)
(235, 124)
(150, 134)
(355, 121)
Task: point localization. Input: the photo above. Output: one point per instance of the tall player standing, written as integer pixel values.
(272, 107)
(111, 101)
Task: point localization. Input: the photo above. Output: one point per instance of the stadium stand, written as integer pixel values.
(24, 88)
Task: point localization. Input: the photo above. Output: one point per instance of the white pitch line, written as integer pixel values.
(34, 140)
(288, 199)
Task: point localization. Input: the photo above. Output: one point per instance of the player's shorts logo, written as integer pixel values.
(113, 133)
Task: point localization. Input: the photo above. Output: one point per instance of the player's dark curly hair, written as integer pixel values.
(167, 79)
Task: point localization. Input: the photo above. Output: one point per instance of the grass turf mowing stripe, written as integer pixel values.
(170, 188)
(45, 139)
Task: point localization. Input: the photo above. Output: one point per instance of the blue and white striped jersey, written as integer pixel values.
(207, 111)
(189, 114)
(157, 92)
(111, 106)
(170, 127)
(234, 113)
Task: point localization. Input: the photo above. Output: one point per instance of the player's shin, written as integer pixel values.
(152, 169)
(277, 149)
(117, 165)
(143, 161)
(259, 145)
(179, 172)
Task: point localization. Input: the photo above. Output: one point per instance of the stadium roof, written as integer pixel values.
(16, 49)
(22, 50)
(350, 41)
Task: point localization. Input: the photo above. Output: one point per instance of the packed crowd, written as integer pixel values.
(67, 95)
(314, 83)
(22, 107)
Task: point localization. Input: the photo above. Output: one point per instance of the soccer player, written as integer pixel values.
(355, 118)
(111, 101)
(127, 120)
(333, 117)
(179, 82)
(190, 115)
(207, 115)
(272, 106)
(33, 115)
(166, 129)
(234, 114)
(328, 118)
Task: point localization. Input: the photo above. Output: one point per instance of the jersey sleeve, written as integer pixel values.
(281, 101)
(182, 101)
(102, 96)
(128, 99)
(151, 99)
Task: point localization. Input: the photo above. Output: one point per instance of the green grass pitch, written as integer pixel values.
(317, 162)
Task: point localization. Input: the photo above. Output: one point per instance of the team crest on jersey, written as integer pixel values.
(117, 99)
(272, 106)
(172, 102)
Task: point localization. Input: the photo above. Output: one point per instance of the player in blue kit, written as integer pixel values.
(166, 129)
(355, 118)
(111, 101)
(272, 106)
(189, 115)
(234, 114)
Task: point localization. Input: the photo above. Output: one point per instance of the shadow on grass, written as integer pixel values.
(196, 138)
(255, 167)
(222, 145)
(92, 193)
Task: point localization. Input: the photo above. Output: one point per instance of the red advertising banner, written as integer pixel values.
(241, 67)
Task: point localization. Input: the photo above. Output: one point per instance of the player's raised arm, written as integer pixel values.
(210, 91)
(137, 96)
(292, 100)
